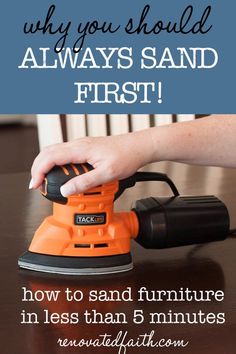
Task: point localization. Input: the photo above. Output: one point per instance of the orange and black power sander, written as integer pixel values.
(85, 236)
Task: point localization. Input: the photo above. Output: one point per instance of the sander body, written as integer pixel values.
(86, 236)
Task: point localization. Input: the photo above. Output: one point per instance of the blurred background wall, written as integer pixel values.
(18, 143)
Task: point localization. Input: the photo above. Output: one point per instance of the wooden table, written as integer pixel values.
(212, 266)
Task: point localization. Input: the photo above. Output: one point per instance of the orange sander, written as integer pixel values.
(85, 236)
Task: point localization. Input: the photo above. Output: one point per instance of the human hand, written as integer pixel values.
(113, 158)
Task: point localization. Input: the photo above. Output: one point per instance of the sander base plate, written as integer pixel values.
(68, 265)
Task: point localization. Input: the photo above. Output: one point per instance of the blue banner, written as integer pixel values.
(156, 56)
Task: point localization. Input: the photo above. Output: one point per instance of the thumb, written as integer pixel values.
(82, 183)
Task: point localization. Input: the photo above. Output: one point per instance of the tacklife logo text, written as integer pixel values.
(90, 219)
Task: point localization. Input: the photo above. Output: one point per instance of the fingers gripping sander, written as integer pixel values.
(85, 236)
